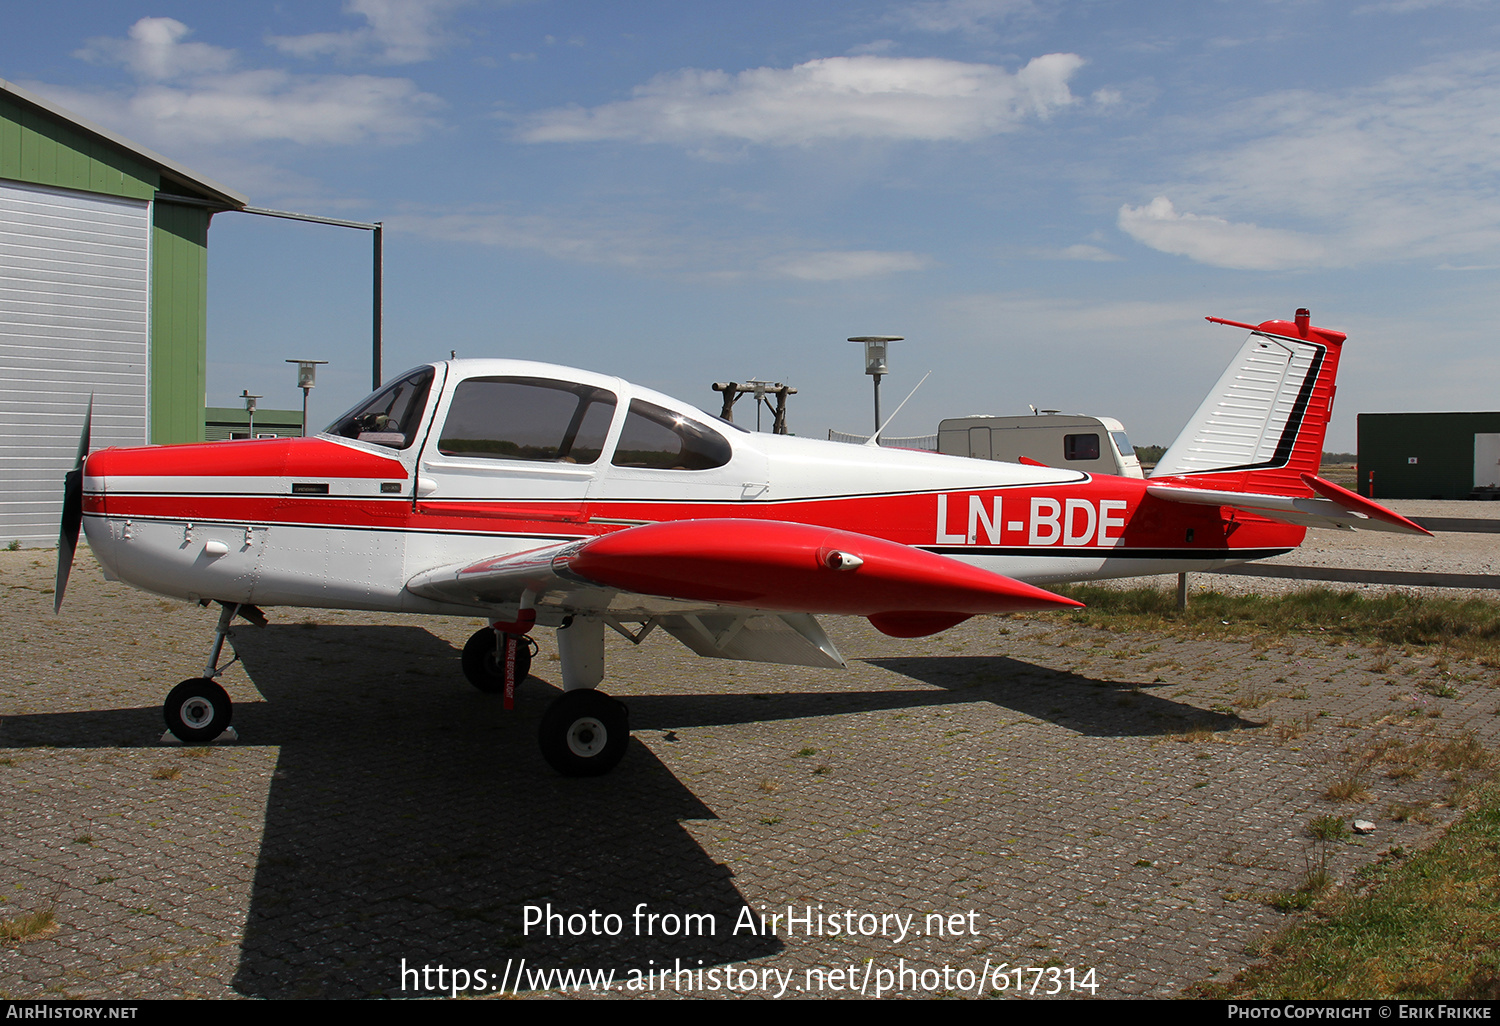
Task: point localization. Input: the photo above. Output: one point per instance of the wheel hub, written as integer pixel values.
(587, 737)
(197, 712)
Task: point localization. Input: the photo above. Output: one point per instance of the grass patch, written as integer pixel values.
(1427, 927)
(28, 927)
(1466, 628)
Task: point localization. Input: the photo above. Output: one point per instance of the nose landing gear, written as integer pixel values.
(199, 709)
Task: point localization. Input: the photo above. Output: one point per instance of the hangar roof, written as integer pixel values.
(171, 171)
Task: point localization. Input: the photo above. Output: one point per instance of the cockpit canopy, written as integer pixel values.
(537, 419)
(392, 415)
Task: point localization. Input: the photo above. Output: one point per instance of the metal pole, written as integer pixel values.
(376, 315)
(877, 407)
(304, 413)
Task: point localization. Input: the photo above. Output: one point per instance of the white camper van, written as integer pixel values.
(1095, 444)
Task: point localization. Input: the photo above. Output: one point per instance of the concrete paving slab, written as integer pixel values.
(1110, 809)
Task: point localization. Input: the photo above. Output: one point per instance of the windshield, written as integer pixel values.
(391, 416)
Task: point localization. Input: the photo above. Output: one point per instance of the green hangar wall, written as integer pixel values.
(103, 296)
(1428, 455)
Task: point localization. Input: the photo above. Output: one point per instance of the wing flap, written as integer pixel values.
(793, 639)
(1329, 506)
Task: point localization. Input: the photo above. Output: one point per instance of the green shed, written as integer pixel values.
(103, 293)
(1429, 455)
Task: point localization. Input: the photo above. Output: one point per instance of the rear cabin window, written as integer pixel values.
(659, 439)
(391, 416)
(527, 419)
(1080, 447)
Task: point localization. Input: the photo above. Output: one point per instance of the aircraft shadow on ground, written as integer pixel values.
(412, 818)
(1087, 705)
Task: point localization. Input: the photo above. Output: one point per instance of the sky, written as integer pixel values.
(1044, 197)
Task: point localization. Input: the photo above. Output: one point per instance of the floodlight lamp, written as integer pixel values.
(875, 352)
(307, 372)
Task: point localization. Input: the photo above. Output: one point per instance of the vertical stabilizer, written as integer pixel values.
(1262, 427)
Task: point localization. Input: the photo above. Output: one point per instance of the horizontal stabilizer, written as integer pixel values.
(1330, 506)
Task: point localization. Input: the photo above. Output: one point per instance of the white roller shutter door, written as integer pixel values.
(74, 320)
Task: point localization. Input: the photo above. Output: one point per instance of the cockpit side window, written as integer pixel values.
(535, 419)
(391, 416)
(662, 440)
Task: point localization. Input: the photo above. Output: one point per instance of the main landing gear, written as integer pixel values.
(584, 732)
(199, 709)
(484, 659)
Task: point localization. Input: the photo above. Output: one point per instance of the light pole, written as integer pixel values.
(875, 365)
(307, 377)
(250, 409)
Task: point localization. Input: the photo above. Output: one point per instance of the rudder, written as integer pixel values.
(1263, 425)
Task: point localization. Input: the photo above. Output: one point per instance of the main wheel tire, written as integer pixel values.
(584, 733)
(197, 710)
(481, 661)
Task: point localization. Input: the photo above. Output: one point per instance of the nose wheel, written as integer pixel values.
(584, 733)
(197, 710)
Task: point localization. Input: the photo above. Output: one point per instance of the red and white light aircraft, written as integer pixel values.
(535, 495)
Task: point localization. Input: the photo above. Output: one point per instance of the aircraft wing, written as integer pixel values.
(1331, 506)
(738, 570)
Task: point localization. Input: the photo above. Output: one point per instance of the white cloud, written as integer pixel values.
(191, 94)
(1413, 6)
(395, 31)
(620, 243)
(831, 98)
(1215, 241)
(154, 50)
(1081, 251)
(643, 242)
(1400, 170)
(845, 265)
(974, 17)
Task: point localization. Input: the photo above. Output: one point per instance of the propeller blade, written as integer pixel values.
(72, 512)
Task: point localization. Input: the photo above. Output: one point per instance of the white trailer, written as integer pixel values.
(1098, 445)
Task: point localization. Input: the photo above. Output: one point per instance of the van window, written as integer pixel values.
(1080, 447)
(535, 419)
(1122, 442)
(663, 440)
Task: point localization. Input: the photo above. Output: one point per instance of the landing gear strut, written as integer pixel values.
(199, 709)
